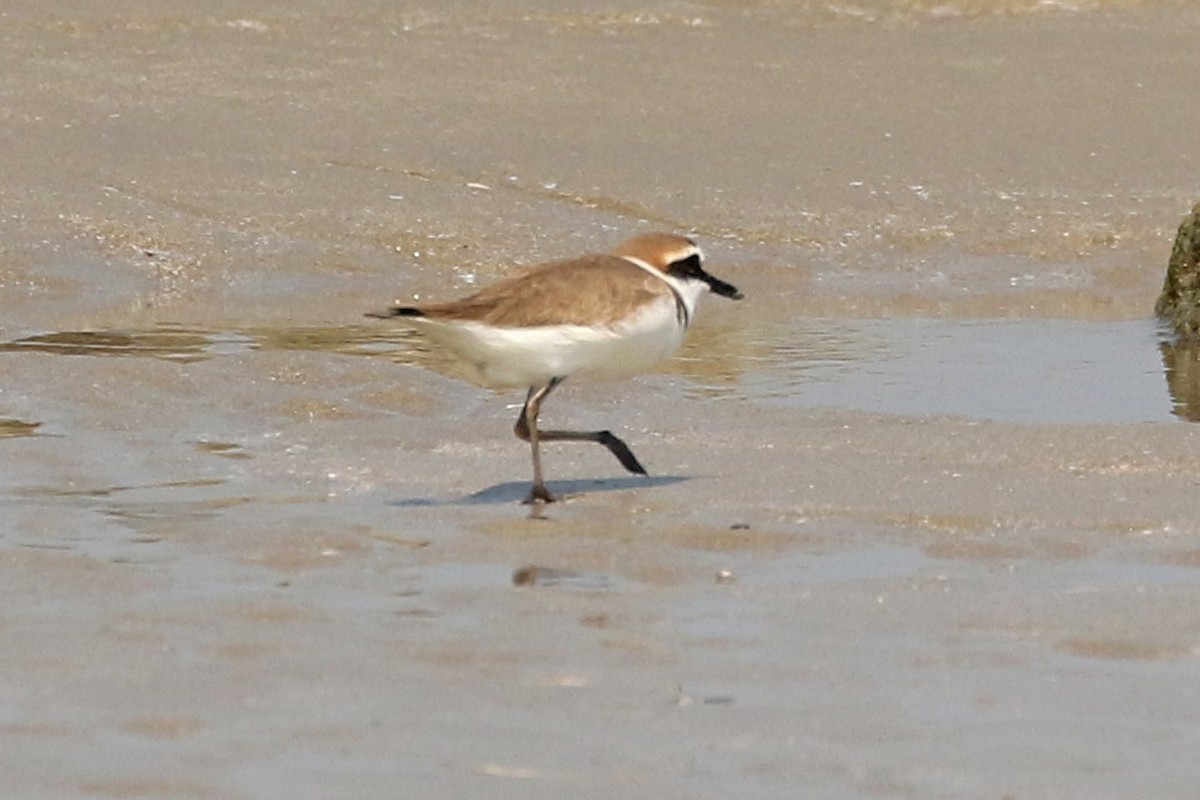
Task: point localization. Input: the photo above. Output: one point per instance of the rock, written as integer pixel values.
(1179, 303)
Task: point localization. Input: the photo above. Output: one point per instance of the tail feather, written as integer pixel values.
(396, 311)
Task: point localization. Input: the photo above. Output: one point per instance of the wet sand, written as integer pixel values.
(253, 545)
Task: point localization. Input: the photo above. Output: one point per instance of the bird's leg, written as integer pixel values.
(607, 438)
(527, 429)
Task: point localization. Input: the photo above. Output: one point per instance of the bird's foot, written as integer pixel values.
(621, 450)
(539, 494)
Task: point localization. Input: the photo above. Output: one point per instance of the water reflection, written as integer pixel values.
(373, 340)
(187, 345)
(779, 362)
(177, 345)
(11, 428)
(1181, 362)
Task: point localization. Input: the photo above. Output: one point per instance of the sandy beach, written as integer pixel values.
(922, 516)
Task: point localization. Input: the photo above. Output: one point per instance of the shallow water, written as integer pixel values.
(1010, 370)
(1028, 371)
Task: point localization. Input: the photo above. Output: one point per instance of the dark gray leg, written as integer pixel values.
(527, 429)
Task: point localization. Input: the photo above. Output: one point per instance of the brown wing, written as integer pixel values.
(583, 291)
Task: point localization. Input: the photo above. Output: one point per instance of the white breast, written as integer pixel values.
(521, 357)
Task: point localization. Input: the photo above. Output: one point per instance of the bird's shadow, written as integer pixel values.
(516, 491)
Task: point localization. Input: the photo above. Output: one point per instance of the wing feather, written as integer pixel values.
(582, 291)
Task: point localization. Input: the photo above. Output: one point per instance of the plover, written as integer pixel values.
(603, 315)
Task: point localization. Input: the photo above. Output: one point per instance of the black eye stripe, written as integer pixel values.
(686, 266)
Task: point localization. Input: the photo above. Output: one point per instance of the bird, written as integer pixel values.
(601, 315)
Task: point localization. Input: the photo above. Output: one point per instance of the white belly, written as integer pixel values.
(521, 357)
